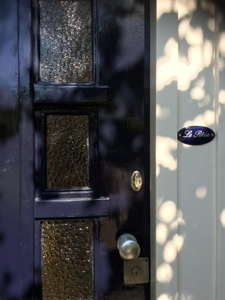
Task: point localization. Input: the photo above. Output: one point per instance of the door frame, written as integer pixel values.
(27, 154)
(151, 6)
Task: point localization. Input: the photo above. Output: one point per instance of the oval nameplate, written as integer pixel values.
(195, 135)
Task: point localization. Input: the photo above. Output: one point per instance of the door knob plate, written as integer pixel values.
(136, 271)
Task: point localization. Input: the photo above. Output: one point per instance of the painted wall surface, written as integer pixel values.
(190, 180)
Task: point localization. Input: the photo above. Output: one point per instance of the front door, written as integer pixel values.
(74, 150)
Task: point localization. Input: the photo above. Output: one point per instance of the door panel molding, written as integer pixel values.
(82, 208)
(64, 94)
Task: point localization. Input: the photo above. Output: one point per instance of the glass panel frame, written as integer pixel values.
(38, 254)
(42, 191)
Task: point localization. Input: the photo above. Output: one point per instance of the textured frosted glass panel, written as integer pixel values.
(65, 40)
(67, 151)
(67, 260)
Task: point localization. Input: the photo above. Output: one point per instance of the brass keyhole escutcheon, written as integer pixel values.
(136, 181)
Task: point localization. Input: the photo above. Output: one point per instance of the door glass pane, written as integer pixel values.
(67, 151)
(67, 260)
(65, 40)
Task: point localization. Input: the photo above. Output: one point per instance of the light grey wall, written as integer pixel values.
(190, 180)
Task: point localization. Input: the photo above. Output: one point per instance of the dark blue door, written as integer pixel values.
(74, 150)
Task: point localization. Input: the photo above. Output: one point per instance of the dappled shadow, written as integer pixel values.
(190, 64)
(121, 133)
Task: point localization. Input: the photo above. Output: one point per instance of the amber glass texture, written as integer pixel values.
(67, 151)
(67, 260)
(65, 41)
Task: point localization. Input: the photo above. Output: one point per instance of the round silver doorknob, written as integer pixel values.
(128, 247)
